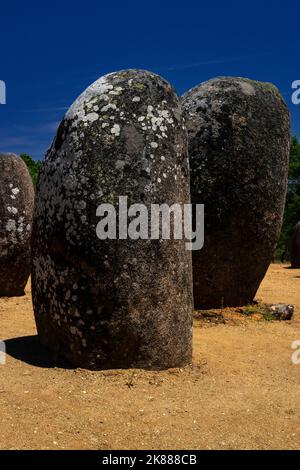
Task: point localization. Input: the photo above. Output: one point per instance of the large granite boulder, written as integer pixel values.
(239, 136)
(16, 208)
(121, 302)
(295, 247)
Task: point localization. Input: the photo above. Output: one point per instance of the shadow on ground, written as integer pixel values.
(29, 349)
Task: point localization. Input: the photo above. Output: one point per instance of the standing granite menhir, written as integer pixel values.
(239, 134)
(295, 247)
(113, 303)
(16, 208)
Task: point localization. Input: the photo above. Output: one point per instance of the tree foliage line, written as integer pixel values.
(292, 205)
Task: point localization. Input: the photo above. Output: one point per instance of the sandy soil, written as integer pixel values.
(242, 392)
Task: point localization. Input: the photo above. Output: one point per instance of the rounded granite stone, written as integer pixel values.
(239, 136)
(16, 208)
(113, 303)
(295, 247)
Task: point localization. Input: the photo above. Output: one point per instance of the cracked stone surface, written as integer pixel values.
(16, 208)
(113, 303)
(239, 137)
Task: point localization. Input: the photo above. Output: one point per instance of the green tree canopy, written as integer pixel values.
(33, 167)
(292, 207)
(294, 168)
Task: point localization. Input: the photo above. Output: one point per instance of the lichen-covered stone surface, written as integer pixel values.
(295, 247)
(16, 208)
(239, 135)
(113, 303)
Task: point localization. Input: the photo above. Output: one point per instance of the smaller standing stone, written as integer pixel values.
(295, 247)
(239, 140)
(16, 209)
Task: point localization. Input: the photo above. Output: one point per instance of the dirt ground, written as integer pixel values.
(242, 392)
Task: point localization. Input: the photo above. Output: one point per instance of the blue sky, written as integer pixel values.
(51, 51)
